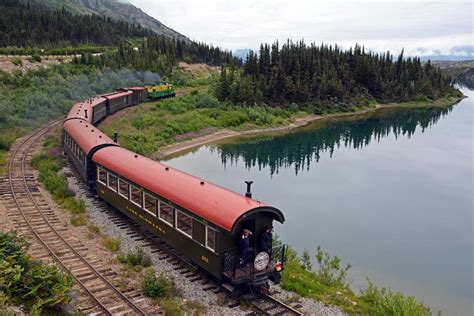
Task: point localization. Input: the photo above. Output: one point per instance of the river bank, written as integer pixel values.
(387, 191)
(204, 137)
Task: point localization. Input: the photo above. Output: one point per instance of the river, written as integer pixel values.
(389, 191)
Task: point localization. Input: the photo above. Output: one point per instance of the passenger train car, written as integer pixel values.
(201, 220)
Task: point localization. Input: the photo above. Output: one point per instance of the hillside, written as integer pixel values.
(461, 71)
(116, 10)
(25, 25)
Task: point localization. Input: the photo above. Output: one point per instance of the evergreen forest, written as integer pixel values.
(308, 74)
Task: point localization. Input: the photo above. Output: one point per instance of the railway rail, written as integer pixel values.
(265, 304)
(51, 239)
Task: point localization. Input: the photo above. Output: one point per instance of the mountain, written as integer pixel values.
(241, 53)
(456, 53)
(461, 71)
(115, 9)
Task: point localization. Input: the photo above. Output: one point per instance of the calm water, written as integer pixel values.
(390, 192)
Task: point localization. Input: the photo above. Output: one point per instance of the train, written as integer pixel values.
(199, 219)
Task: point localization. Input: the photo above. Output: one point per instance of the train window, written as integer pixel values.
(136, 195)
(211, 238)
(102, 175)
(123, 188)
(166, 213)
(112, 182)
(184, 223)
(150, 204)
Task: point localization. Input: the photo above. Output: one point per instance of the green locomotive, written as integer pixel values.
(160, 90)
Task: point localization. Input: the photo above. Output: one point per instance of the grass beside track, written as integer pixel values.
(327, 284)
(49, 163)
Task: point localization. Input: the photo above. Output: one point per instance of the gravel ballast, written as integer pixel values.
(216, 304)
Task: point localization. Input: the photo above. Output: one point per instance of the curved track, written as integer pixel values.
(26, 207)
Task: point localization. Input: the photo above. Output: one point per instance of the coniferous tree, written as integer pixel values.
(311, 74)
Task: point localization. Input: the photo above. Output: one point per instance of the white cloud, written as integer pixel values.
(420, 27)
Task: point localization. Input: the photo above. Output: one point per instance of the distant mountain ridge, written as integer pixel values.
(118, 10)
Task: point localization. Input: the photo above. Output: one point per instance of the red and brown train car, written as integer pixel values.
(200, 219)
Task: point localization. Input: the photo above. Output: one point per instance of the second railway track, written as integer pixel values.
(51, 239)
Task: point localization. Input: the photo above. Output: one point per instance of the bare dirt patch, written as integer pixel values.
(7, 65)
(201, 70)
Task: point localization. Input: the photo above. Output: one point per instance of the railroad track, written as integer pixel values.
(52, 241)
(269, 305)
(264, 305)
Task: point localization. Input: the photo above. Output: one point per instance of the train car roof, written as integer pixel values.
(86, 135)
(95, 101)
(137, 88)
(217, 205)
(78, 111)
(118, 94)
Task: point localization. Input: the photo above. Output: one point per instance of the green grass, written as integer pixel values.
(111, 244)
(17, 61)
(158, 286)
(145, 128)
(3, 161)
(49, 163)
(164, 292)
(136, 259)
(93, 231)
(327, 284)
(78, 220)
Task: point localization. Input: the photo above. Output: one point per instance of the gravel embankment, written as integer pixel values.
(215, 303)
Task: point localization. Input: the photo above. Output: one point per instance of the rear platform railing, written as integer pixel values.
(239, 266)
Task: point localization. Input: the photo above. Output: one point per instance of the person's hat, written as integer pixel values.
(248, 231)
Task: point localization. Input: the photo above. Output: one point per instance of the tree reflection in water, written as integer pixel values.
(300, 148)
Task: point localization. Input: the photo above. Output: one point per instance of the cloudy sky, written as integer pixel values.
(422, 28)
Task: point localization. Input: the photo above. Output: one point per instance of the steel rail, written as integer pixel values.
(34, 137)
(278, 303)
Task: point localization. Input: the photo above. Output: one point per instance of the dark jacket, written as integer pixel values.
(266, 242)
(243, 244)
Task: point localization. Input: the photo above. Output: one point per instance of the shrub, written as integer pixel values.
(158, 286)
(6, 140)
(76, 206)
(136, 258)
(207, 101)
(382, 301)
(306, 261)
(17, 61)
(36, 58)
(112, 244)
(26, 281)
(330, 271)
